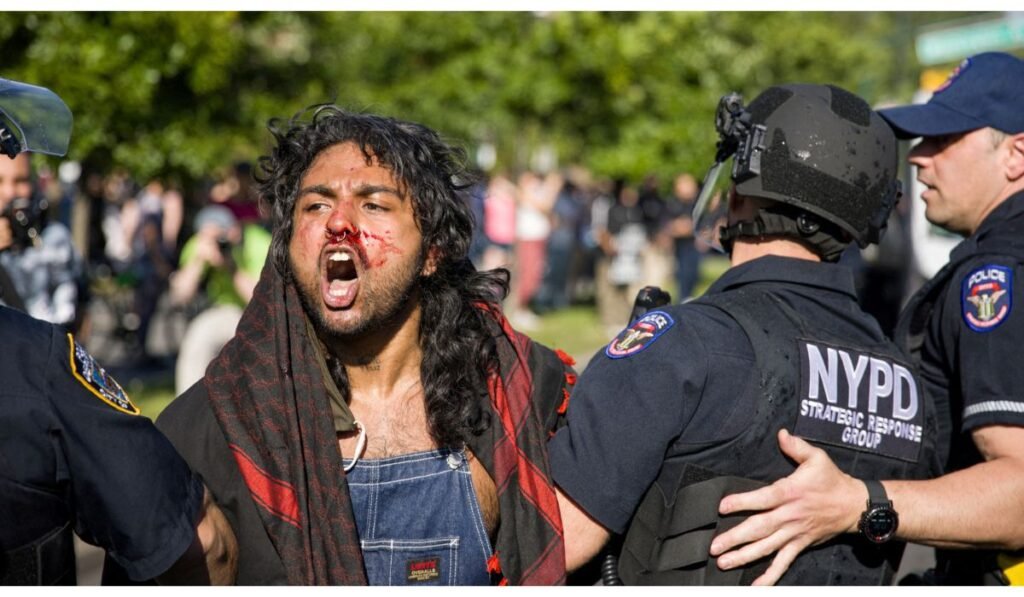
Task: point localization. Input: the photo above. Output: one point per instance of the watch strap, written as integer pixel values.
(876, 493)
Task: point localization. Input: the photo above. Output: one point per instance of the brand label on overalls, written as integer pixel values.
(859, 401)
(423, 570)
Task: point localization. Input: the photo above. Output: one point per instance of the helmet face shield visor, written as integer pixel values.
(34, 118)
(710, 210)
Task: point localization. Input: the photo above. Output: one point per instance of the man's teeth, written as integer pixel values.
(340, 257)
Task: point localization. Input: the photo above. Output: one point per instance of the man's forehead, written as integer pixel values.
(356, 161)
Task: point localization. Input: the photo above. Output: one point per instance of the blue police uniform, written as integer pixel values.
(76, 455)
(965, 329)
(694, 393)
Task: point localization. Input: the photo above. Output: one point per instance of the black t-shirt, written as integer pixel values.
(74, 447)
(683, 386)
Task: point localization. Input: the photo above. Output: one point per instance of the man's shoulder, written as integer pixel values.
(712, 324)
(193, 429)
(187, 414)
(543, 356)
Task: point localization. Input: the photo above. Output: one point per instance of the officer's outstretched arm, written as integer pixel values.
(212, 558)
(584, 536)
(976, 507)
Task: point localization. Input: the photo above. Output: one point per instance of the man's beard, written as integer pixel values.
(385, 304)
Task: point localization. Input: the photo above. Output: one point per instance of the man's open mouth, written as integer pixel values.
(342, 279)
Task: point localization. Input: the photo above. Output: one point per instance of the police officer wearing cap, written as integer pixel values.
(966, 329)
(685, 405)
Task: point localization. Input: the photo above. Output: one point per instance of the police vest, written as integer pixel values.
(854, 397)
(959, 567)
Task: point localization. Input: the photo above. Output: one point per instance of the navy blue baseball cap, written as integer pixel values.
(986, 90)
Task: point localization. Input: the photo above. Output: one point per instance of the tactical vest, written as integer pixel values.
(958, 567)
(669, 538)
(49, 560)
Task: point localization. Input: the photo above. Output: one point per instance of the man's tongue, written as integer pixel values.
(340, 294)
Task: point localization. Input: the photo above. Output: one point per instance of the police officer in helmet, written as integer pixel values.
(965, 328)
(75, 453)
(686, 404)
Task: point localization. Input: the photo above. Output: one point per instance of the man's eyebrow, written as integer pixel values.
(365, 190)
(319, 189)
(362, 190)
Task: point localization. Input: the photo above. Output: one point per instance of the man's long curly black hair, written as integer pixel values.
(458, 348)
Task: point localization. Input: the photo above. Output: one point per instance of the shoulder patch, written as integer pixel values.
(640, 335)
(95, 379)
(987, 297)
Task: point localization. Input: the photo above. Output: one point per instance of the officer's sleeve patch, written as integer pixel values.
(987, 297)
(95, 379)
(640, 335)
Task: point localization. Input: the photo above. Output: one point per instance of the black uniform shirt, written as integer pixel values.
(74, 448)
(684, 385)
(970, 355)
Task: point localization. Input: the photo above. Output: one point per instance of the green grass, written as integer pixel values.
(576, 330)
(151, 398)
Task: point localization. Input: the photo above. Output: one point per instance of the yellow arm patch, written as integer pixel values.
(95, 379)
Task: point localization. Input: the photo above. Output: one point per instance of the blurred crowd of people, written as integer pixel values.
(569, 237)
(75, 246)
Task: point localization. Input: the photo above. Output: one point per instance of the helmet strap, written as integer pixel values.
(825, 238)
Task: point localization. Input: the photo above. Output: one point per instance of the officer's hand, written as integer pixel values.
(6, 237)
(815, 503)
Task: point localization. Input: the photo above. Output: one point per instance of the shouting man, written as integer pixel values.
(375, 418)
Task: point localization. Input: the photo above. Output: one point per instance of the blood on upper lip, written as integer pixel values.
(355, 238)
(350, 235)
(352, 238)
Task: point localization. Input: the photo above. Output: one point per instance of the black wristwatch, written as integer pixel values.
(879, 522)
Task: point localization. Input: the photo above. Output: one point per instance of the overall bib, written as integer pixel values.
(419, 521)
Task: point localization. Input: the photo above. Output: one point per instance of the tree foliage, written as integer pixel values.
(623, 93)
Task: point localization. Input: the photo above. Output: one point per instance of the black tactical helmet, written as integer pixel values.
(823, 150)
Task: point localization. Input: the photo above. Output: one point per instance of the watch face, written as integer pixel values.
(880, 523)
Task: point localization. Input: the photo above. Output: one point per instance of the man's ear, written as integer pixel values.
(430, 263)
(1015, 164)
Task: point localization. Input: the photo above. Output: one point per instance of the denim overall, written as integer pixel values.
(418, 519)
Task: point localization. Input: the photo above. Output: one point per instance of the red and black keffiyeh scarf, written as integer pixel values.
(267, 392)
